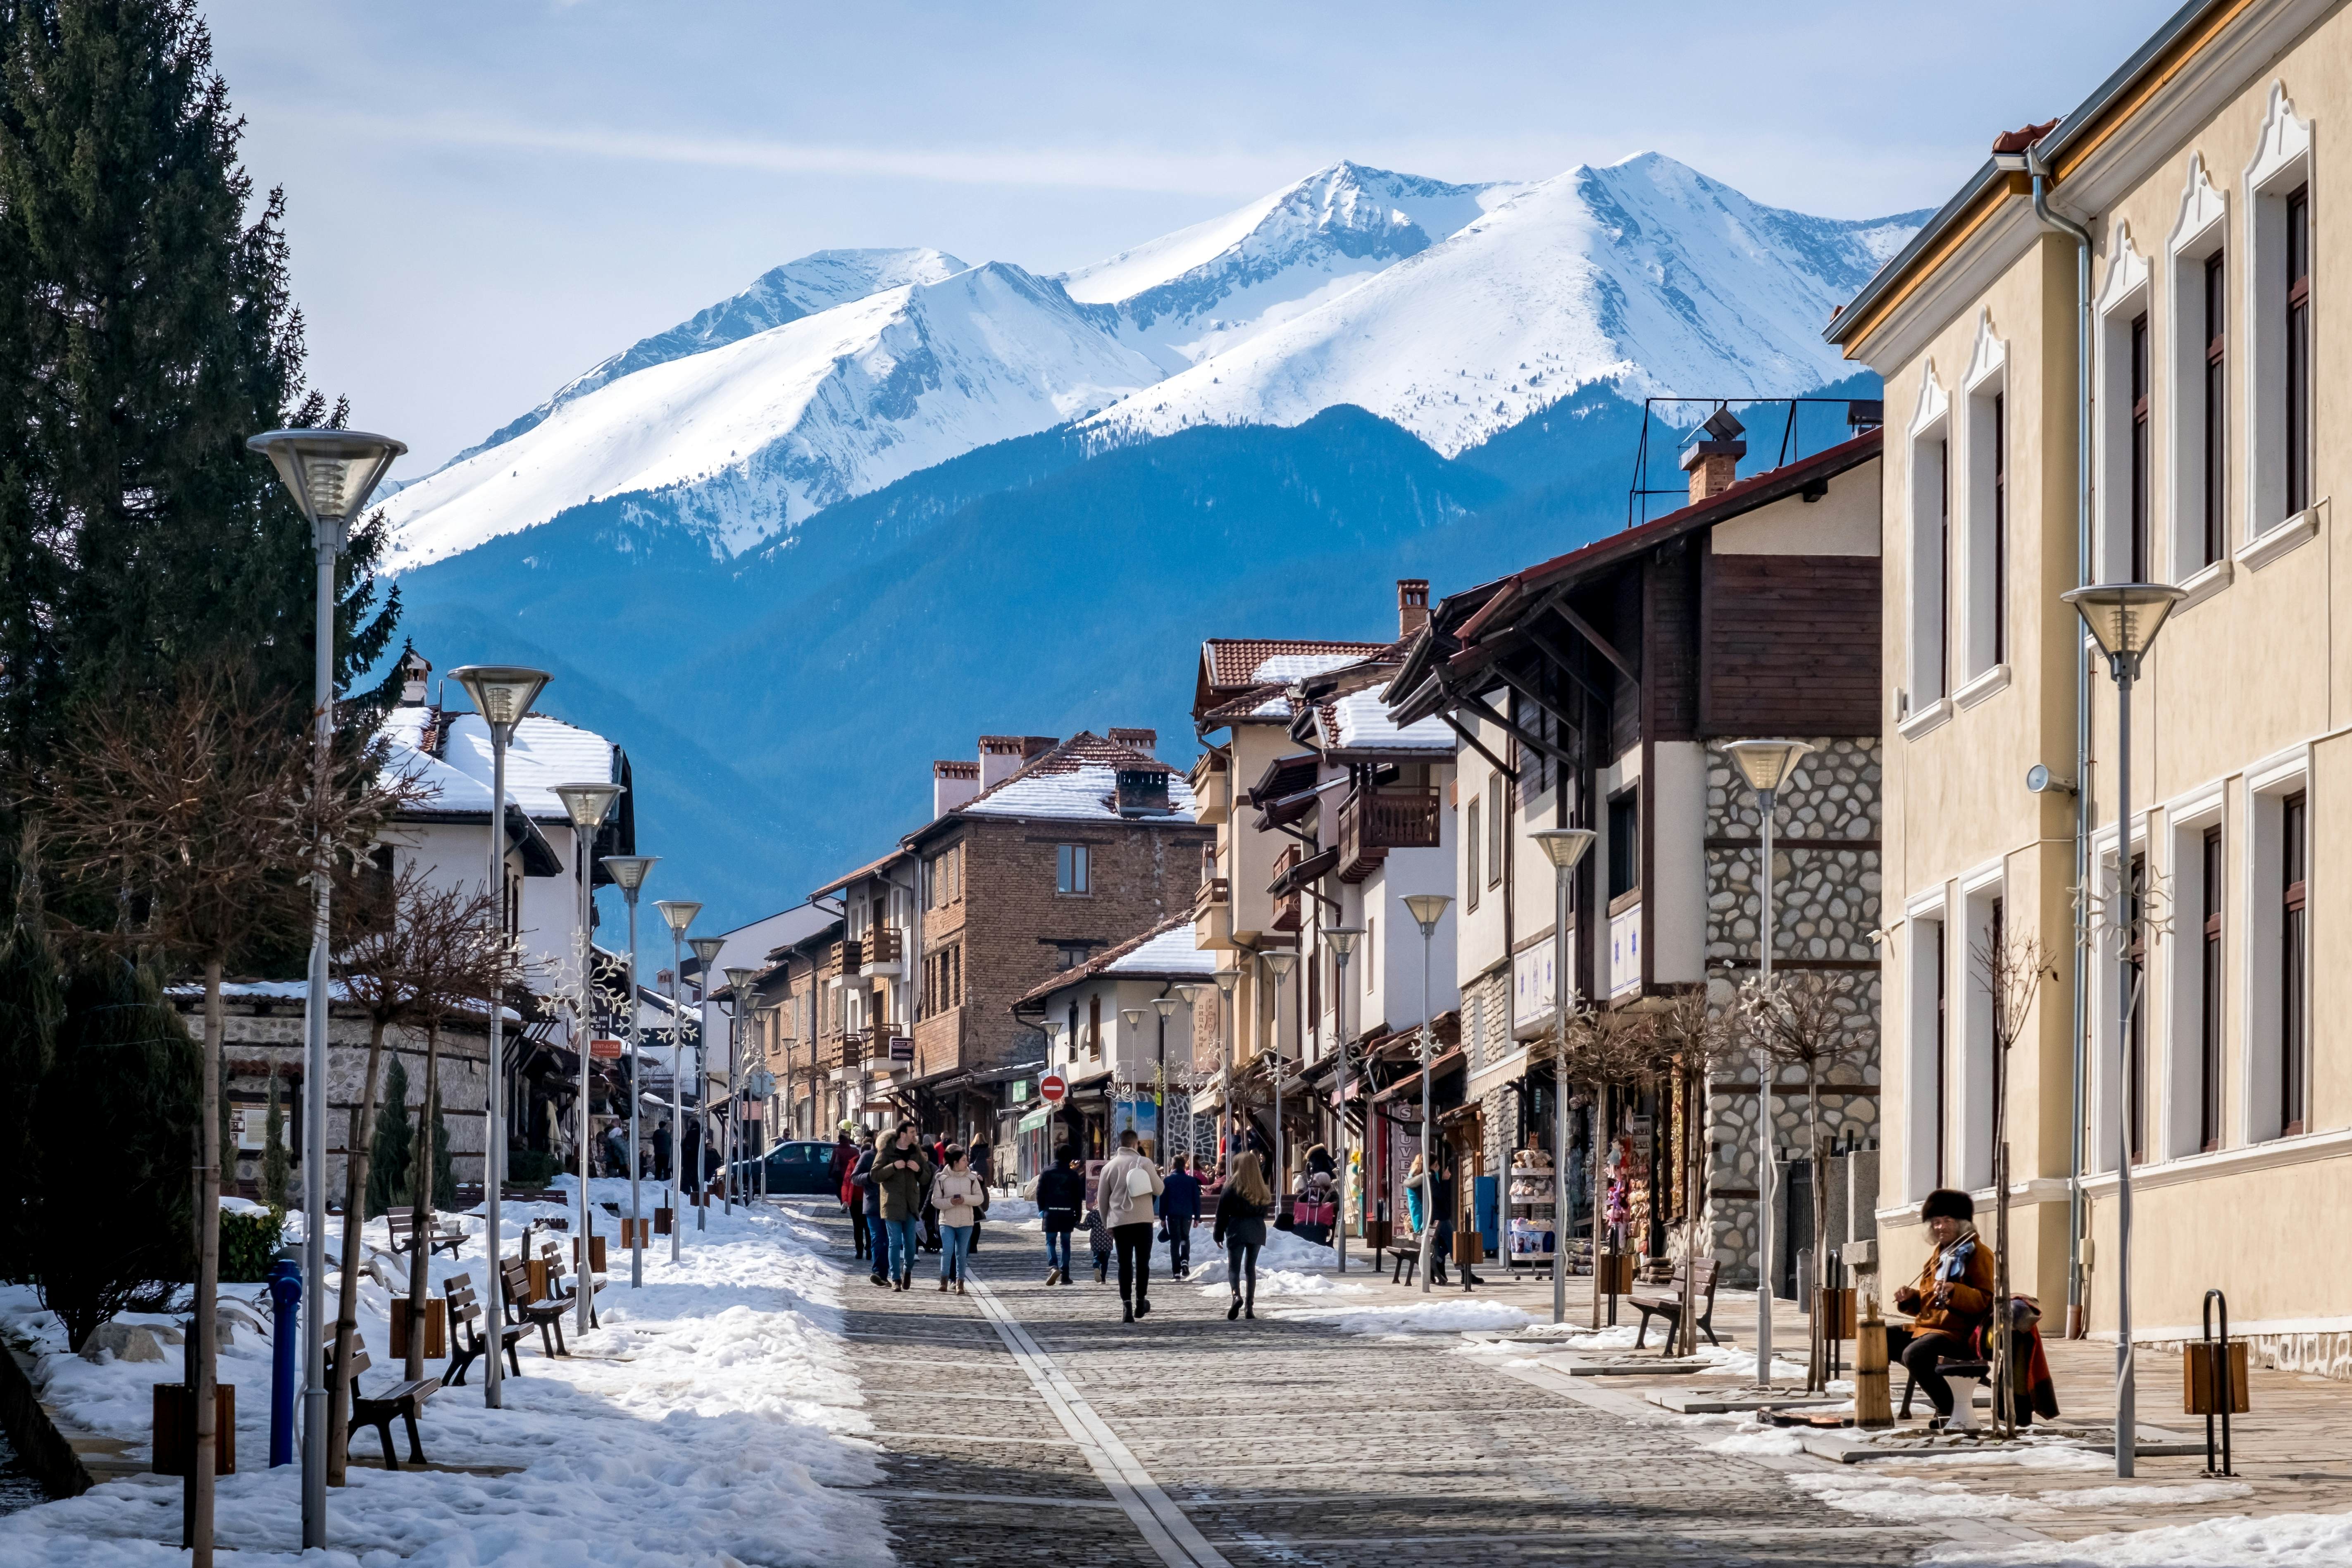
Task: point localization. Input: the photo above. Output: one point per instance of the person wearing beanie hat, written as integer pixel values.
(1950, 1303)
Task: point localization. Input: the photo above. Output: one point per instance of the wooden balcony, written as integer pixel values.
(1372, 825)
(1212, 915)
(1285, 905)
(846, 958)
(885, 948)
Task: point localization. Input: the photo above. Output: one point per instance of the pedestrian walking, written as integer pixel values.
(938, 1149)
(1098, 1241)
(959, 1195)
(661, 1151)
(1061, 1198)
(1179, 1209)
(1128, 1184)
(903, 1172)
(854, 1156)
(1241, 1230)
(867, 1214)
(982, 1155)
(1422, 1211)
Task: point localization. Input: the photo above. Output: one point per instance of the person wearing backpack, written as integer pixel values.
(1127, 1186)
(1061, 1199)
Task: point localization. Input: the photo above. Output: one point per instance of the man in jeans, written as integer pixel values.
(1124, 1189)
(1180, 1206)
(903, 1172)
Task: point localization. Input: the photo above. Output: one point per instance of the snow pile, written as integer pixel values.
(703, 1421)
(1274, 1282)
(1438, 1317)
(2275, 1541)
(1909, 1500)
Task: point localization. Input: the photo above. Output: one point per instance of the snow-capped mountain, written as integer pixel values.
(744, 440)
(1456, 309)
(817, 281)
(1646, 273)
(1203, 289)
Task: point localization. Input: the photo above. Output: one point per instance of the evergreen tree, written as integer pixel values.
(387, 1181)
(277, 1162)
(444, 1166)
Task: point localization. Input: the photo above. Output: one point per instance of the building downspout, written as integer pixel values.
(2076, 1325)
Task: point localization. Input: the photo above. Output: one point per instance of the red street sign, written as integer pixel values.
(1051, 1088)
(605, 1050)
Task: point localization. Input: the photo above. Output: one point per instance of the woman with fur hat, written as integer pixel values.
(1951, 1301)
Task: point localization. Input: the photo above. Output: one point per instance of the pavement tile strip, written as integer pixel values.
(1202, 1442)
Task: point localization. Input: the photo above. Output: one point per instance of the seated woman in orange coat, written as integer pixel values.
(1951, 1301)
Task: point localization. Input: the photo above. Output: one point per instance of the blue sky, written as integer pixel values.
(486, 198)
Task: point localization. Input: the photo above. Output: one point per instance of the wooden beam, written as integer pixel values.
(1558, 658)
(1527, 689)
(1558, 604)
(1477, 745)
(1479, 706)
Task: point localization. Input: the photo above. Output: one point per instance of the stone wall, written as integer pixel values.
(1827, 886)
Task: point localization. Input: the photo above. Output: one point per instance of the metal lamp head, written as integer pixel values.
(1167, 1006)
(628, 872)
(330, 472)
(1190, 994)
(2123, 618)
(588, 804)
(1134, 1016)
(1278, 964)
(1342, 940)
(1226, 980)
(707, 949)
(1767, 765)
(739, 979)
(1427, 909)
(1565, 846)
(503, 693)
(678, 912)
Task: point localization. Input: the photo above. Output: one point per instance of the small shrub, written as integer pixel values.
(248, 1245)
(532, 1167)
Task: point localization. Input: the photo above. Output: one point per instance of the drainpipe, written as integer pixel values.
(2076, 1326)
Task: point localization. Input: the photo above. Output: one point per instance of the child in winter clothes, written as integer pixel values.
(1098, 1237)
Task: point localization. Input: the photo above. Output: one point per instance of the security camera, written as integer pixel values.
(2040, 780)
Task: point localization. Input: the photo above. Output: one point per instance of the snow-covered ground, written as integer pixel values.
(703, 1420)
(2273, 1541)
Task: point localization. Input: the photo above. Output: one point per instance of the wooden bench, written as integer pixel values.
(404, 1399)
(439, 1238)
(467, 1341)
(1664, 1298)
(558, 1272)
(546, 1315)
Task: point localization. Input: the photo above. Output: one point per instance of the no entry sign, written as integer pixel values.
(1052, 1087)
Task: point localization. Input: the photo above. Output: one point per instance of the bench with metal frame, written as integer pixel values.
(467, 1341)
(1667, 1303)
(404, 1399)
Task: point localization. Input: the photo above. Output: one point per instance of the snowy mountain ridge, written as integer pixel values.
(1456, 310)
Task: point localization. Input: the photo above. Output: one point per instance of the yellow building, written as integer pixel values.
(2201, 184)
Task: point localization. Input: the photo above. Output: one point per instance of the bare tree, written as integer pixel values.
(2013, 971)
(1605, 1048)
(1808, 1020)
(206, 815)
(1689, 1038)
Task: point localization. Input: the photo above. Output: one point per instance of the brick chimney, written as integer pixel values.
(1142, 791)
(1143, 741)
(1000, 758)
(1713, 458)
(952, 783)
(1412, 605)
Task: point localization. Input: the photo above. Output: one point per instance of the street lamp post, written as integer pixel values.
(2124, 618)
(1565, 847)
(679, 914)
(332, 473)
(1427, 909)
(1767, 765)
(629, 872)
(1133, 1018)
(1165, 1006)
(587, 805)
(1341, 940)
(739, 992)
(1227, 979)
(502, 695)
(1277, 964)
(707, 950)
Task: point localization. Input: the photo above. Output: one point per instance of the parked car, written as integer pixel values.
(802, 1166)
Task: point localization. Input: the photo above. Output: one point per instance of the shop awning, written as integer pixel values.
(1495, 1075)
(1409, 1086)
(1036, 1118)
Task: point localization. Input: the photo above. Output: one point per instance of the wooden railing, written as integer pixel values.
(885, 945)
(1285, 906)
(1372, 825)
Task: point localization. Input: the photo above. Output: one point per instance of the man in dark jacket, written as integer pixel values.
(1180, 1206)
(869, 1206)
(661, 1151)
(1061, 1199)
(982, 1156)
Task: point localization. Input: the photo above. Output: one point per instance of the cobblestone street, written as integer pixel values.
(1028, 1424)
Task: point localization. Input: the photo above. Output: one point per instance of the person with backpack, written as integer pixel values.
(1126, 1187)
(1061, 1199)
(1241, 1230)
(1180, 1210)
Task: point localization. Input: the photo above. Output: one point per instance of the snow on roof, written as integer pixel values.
(1246, 661)
(1078, 780)
(543, 754)
(1361, 721)
(1167, 952)
(1292, 665)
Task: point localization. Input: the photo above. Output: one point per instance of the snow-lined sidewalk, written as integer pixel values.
(703, 1421)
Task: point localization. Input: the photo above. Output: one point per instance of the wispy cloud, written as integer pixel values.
(1102, 167)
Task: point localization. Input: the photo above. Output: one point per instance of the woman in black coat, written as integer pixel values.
(1061, 1199)
(1241, 1230)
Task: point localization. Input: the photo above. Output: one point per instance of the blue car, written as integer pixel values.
(802, 1166)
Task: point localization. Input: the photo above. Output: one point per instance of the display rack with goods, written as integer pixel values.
(1531, 1226)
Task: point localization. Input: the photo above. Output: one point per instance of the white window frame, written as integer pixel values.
(1973, 1040)
(2126, 294)
(2106, 1003)
(1987, 378)
(2201, 229)
(2186, 821)
(2281, 161)
(1930, 437)
(1925, 935)
(2268, 783)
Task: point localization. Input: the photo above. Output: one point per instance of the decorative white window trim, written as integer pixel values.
(2281, 537)
(1989, 357)
(2282, 160)
(2200, 230)
(2178, 1074)
(2106, 1001)
(1933, 404)
(2124, 294)
(2127, 269)
(1935, 608)
(2206, 581)
(1976, 880)
(2280, 769)
(2283, 139)
(1978, 601)
(2201, 207)
(1927, 720)
(2254, 908)
(1983, 685)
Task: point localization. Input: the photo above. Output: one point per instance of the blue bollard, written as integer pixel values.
(285, 1366)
